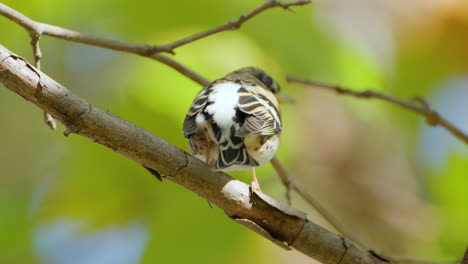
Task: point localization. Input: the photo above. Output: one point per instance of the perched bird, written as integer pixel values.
(234, 123)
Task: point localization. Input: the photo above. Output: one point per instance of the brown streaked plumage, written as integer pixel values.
(234, 123)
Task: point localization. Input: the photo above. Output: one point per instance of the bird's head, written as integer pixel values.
(261, 77)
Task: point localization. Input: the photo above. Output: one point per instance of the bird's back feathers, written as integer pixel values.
(227, 111)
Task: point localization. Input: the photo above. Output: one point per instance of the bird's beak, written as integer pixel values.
(284, 99)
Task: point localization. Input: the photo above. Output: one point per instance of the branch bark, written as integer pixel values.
(278, 222)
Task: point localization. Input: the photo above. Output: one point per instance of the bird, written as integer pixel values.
(234, 123)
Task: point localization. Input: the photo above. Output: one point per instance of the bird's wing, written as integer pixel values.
(190, 124)
(261, 115)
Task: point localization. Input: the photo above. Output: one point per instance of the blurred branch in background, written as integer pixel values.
(289, 183)
(416, 104)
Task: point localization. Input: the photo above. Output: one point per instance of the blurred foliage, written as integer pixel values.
(449, 187)
(360, 158)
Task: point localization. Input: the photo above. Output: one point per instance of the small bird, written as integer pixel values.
(234, 123)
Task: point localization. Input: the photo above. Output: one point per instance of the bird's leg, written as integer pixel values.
(208, 151)
(254, 186)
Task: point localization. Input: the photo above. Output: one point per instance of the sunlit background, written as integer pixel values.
(397, 184)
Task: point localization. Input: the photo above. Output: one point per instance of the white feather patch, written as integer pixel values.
(225, 98)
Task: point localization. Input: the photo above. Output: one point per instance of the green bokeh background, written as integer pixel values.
(46, 176)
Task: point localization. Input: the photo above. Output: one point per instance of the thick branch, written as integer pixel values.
(417, 105)
(278, 222)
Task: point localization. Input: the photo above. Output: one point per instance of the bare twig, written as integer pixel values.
(182, 69)
(286, 179)
(290, 185)
(35, 27)
(38, 28)
(417, 105)
(70, 35)
(36, 49)
(50, 121)
(140, 49)
(234, 24)
(35, 36)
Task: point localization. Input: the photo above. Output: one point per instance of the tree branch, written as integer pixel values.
(231, 25)
(140, 49)
(417, 104)
(280, 223)
(34, 27)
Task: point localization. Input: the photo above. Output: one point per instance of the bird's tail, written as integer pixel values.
(233, 155)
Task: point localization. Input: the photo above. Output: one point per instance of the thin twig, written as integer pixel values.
(234, 24)
(286, 179)
(37, 54)
(140, 49)
(71, 35)
(182, 69)
(34, 27)
(290, 185)
(417, 105)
